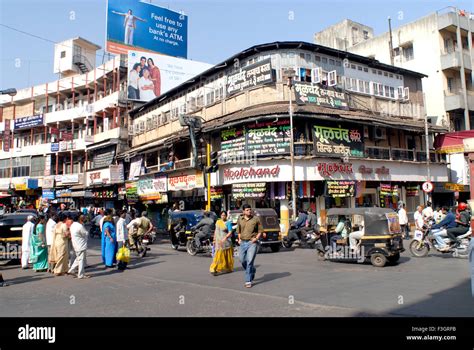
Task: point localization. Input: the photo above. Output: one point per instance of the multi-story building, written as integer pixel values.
(359, 130)
(440, 46)
(60, 138)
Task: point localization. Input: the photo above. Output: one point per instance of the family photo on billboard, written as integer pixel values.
(151, 75)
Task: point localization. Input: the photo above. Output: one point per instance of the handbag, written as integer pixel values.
(123, 254)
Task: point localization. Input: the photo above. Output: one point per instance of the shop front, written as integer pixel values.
(152, 192)
(104, 185)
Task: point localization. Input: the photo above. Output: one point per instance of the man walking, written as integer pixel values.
(79, 243)
(25, 241)
(249, 229)
(403, 219)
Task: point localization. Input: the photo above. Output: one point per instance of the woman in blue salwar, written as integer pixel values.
(109, 242)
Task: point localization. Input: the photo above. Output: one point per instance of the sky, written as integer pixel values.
(217, 29)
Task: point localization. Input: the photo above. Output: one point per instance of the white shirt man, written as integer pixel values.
(27, 231)
(122, 231)
(79, 243)
(428, 211)
(419, 221)
(50, 232)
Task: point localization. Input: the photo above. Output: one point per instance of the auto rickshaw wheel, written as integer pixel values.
(378, 260)
(287, 243)
(275, 247)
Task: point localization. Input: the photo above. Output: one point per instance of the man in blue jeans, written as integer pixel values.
(249, 229)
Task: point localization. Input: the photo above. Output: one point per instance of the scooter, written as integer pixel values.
(309, 239)
(424, 241)
(193, 249)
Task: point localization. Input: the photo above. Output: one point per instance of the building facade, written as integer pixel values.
(358, 134)
(60, 139)
(440, 46)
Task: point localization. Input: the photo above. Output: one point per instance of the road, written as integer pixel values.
(291, 282)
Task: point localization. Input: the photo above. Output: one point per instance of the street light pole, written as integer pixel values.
(290, 73)
(427, 146)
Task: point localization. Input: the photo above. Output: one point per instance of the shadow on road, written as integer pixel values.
(27, 279)
(271, 276)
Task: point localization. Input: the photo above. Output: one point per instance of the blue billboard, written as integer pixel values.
(132, 25)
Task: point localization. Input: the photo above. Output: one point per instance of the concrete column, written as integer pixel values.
(467, 123)
(285, 215)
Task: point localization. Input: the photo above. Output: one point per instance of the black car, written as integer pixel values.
(11, 226)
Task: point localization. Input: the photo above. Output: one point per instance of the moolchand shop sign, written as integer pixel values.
(269, 173)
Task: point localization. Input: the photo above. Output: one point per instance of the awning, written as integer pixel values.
(102, 144)
(452, 142)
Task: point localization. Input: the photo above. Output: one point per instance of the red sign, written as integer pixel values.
(380, 171)
(244, 173)
(6, 136)
(427, 187)
(54, 131)
(329, 169)
(67, 136)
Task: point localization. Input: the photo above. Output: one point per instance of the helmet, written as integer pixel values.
(462, 206)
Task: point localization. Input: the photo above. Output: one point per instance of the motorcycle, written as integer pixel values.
(94, 231)
(424, 241)
(193, 249)
(310, 238)
(141, 244)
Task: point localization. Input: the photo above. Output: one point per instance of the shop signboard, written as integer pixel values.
(6, 136)
(341, 141)
(116, 173)
(388, 190)
(152, 188)
(453, 187)
(251, 173)
(32, 184)
(318, 95)
(412, 190)
(29, 122)
(48, 182)
(131, 191)
(340, 189)
(21, 186)
(185, 182)
(135, 168)
(249, 190)
(250, 76)
(54, 147)
(48, 194)
(217, 192)
(329, 169)
(104, 194)
(63, 193)
(70, 179)
(103, 157)
(256, 139)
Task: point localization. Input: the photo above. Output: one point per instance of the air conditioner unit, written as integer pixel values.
(380, 133)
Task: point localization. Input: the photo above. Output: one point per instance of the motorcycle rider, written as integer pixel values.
(139, 227)
(295, 233)
(439, 230)
(311, 223)
(463, 222)
(204, 228)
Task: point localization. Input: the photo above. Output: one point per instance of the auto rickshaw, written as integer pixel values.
(382, 241)
(271, 228)
(189, 219)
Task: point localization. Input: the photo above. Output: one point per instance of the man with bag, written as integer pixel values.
(123, 254)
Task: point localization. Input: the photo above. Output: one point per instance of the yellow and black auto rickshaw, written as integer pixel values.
(381, 242)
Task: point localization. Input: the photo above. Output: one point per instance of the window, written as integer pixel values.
(380, 89)
(360, 86)
(385, 74)
(374, 71)
(367, 87)
(396, 51)
(353, 84)
(63, 54)
(210, 97)
(390, 75)
(400, 92)
(332, 78)
(379, 72)
(291, 55)
(317, 58)
(332, 62)
(366, 34)
(366, 69)
(408, 52)
(37, 166)
(284, 55)
(348, 84)
(338, 64)
(450, 84)
(308, 57)
(353, 66)
(376, 88)
(325, 60)
(387, 91)
(302, 56)
(359, 68)
(392, 92)
(305, 75)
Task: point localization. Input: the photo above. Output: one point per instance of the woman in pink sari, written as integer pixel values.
(155, 76)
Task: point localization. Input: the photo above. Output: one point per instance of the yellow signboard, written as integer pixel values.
(453, 187)
(20, 187)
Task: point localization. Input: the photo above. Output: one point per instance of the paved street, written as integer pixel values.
(173, 283)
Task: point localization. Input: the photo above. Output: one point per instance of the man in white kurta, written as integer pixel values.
(28, 228)
(79, 243)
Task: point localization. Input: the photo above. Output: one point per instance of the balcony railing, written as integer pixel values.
(401, 154)
(377, 152)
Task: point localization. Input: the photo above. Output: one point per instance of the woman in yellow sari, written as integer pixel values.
(60, 247)
(224, 252)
